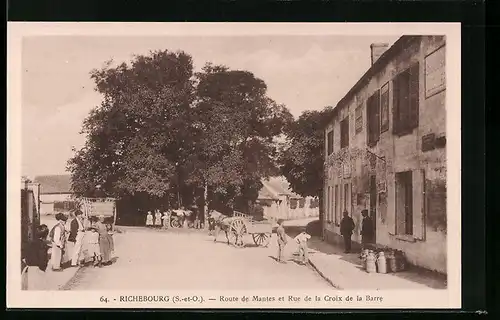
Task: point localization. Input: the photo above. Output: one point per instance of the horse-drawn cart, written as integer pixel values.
(242, 224)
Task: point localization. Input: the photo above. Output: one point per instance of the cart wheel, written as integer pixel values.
(174, 223)
(261, 239)
(237, 230)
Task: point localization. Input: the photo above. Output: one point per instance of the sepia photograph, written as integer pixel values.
(214, 159)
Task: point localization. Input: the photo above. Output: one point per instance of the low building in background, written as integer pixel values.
(55, 193)
(278, 201)
(386, 152)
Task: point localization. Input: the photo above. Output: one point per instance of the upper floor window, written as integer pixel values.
(359, 119)
(373, 121)
(406, 101)
(329, 142)
(384, 108)
(344, 133)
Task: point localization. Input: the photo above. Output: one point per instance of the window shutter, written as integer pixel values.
(395, 105)
(376, 120)
(418, 186)
(414, 95)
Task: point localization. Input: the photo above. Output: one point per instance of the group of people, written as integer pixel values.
(66, 243)
(163, 220)
(347, 227)
(300, 240)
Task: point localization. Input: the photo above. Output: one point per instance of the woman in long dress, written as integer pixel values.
(158, 218)
(149, 219)
(104, 243)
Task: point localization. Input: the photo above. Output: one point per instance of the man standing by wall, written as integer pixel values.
(346, 228)
(366, 229)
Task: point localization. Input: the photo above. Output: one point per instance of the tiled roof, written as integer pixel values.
(54, 183)
(276, 186)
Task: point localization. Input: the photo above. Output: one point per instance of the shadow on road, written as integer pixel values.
(418, 275)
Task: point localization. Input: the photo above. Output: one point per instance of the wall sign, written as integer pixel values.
(435, 72)
(428, 142)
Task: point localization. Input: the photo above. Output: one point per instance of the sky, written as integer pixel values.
(302, 72)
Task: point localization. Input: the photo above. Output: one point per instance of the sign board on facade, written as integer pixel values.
(346, 170)
(428, 142)
(435, 72)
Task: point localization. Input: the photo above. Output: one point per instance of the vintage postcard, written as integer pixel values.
(234, 165)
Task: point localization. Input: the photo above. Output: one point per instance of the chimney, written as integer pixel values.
(378, 50)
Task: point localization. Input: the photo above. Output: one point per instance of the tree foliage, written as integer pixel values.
(303, 157)
(162, 128)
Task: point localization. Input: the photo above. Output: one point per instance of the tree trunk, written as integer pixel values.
(205, 205)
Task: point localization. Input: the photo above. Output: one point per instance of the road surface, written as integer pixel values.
(176, 259)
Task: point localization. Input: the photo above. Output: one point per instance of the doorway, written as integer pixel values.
(373, 205)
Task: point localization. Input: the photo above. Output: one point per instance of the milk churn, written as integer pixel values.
(370, 263)
(381, 263)
(391, 262)
(400, 260)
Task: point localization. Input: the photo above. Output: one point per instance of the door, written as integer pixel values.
(373, 205)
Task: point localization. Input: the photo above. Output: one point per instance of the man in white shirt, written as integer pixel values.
(77, 233)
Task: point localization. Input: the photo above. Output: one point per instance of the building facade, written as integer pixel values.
(279, 202)
(386, 152)
(55, 193)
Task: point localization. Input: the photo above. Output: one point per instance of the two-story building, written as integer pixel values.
(386, 151)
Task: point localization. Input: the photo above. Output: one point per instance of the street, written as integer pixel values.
(176, 259)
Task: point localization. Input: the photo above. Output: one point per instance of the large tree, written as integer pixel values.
(140, 132)
(302, 159)
(163, 130)
(239, 124)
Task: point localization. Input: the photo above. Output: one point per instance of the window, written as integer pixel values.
(384, 108)
(346, 196)
(406, 101)
(344, 133)
(359, 119)
(328, 204)
(329, 142)
(404, 203)
(302, 202)
(373, 123)
(293, 204)
(336, 203)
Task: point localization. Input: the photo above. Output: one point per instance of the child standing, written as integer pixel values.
(166, 219)
(301, 240)
(157, 218)
(281, 241)
(94, 250)
(149, 220)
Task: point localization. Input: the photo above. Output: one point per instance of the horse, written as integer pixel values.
(222, 223)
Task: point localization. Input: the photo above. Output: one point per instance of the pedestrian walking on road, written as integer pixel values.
(75, 239)
(301, 240)
(157, 218)
(58, 238)
(282, 241)
(366, 229)
(346, 228)
(149, 220)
